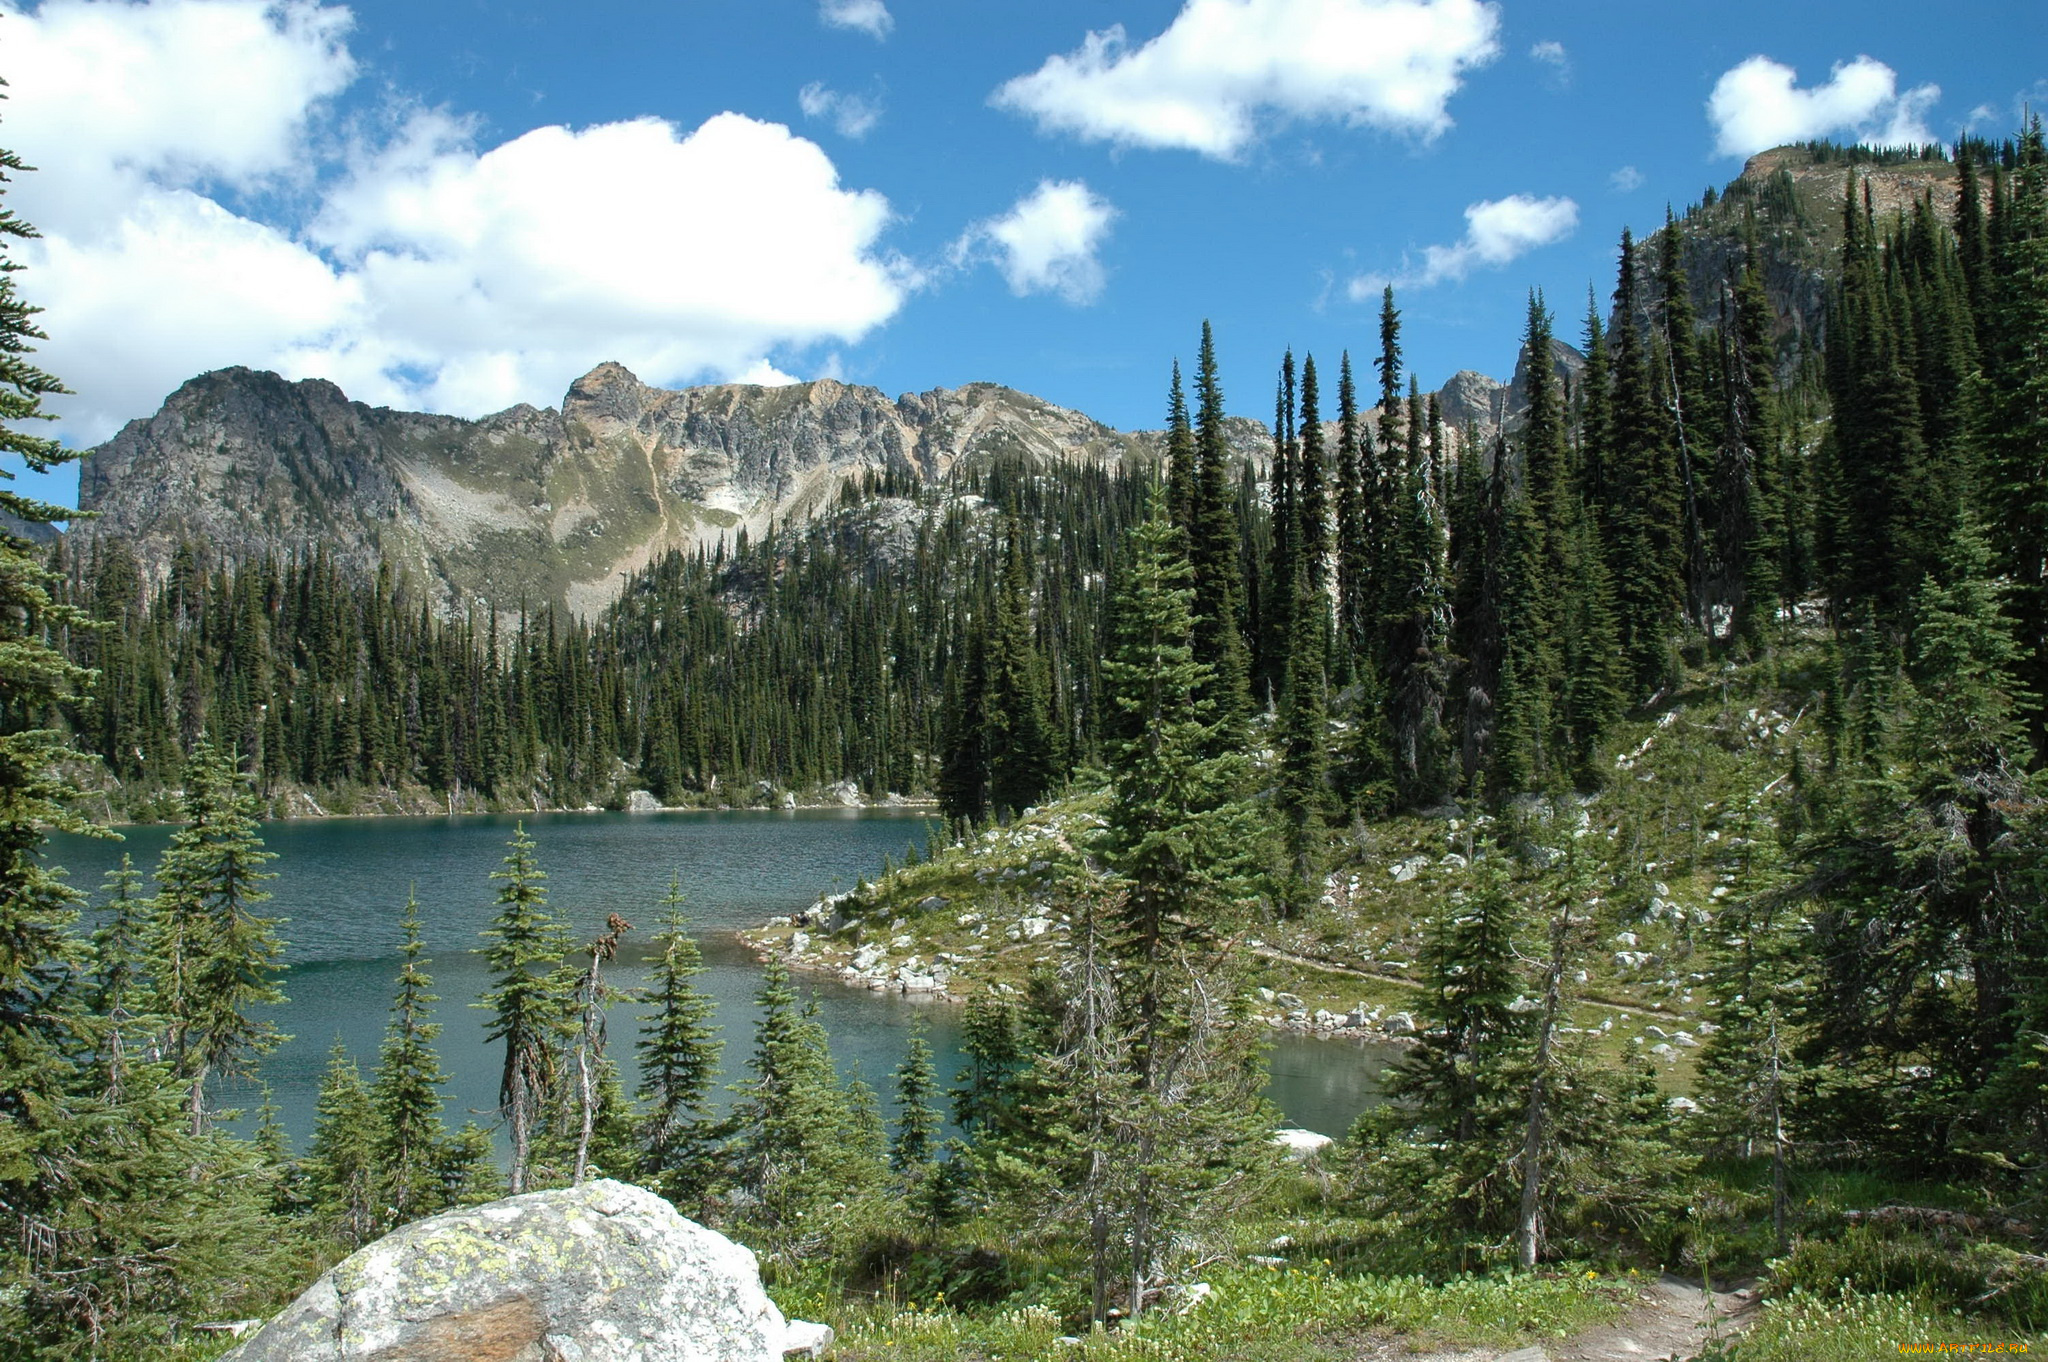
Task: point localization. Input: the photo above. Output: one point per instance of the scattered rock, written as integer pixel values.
(801, 1338)
(1400, 1024)
(604, 1272)
(1289, 1002)
(1405, 870)
(639, 801)
(1301, 1144)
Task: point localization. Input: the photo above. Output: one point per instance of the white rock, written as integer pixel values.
(639, 801)
(1400, 1024)
(604, 1272)
(801, 1338)
(1681, 1106)
(1301, 1145)
(1290, 1002)
(1031, 927)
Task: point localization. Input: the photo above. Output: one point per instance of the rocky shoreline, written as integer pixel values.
(815, 941)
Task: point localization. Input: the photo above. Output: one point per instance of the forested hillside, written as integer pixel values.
(1729, 649)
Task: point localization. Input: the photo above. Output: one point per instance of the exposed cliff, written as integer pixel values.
(533, 506)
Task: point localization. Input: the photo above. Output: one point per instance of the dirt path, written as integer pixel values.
(1670, 1321)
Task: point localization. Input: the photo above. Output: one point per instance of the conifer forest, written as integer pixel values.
(1669, 757)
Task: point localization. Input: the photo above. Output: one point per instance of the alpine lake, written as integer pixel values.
(340, 888)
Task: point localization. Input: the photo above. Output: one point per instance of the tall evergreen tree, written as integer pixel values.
(1213, 554)
(678, 1051)
(341, 1162)
(406, 1090)
(213, 960)
(1642, 517)
(527, 999)
(2012, 429)
(1015, 720)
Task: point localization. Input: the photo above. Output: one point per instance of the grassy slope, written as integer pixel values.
(1675, 811)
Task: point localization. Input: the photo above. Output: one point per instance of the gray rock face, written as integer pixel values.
(536, 506)
(604, 1272)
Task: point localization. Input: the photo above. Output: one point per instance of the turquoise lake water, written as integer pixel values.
(341, 886)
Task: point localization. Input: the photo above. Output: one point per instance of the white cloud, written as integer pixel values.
(1550, 52)
(1225, 66)
(1047, 243)
(1497, 231)
(1758, 105)
(421, 269)
(111, 99)
(1626, 180)
(871, 17)
(851, 116)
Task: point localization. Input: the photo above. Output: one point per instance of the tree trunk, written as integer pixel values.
(516, 1109)
(1529, 1234)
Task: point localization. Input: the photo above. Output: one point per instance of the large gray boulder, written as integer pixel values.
(604, 1272)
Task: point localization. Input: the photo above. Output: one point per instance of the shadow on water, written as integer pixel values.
(341, 886)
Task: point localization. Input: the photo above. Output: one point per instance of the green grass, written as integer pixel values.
(1848, 1326)
(1304, 1313)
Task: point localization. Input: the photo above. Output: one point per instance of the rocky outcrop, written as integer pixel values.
(530, 506)
(604, 1272)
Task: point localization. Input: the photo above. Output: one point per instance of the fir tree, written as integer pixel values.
(801, 1141)
(213, 960)
(527, 1000)
(1213, 555)
(678, 1052)
(915, 1147)
(1169, 843)
(2011, 430)
(406, 1088)
(341, 1162)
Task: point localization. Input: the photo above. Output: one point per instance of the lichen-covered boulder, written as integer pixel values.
(604, 1272)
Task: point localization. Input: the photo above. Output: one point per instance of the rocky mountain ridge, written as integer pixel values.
(532, 506)
(529, 506)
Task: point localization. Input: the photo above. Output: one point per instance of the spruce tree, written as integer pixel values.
(1642, 516)
(915, 1147)
(678, 1052)
(1172, 841)
(341, 1162)
(1016, 725)
(213, 960)
(527, 1000)
(406, 1087)
(801, 1139)
(2011, 430)
(1213, 555)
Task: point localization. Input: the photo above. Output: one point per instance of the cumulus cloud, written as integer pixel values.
(851, 116)
(1047, 243)
(1758, 105)
(871, 17)
(114, 101)
(1497, 231)
(1225, 68)
(420, 269)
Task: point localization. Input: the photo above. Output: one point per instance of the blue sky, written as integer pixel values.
(456, 206)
